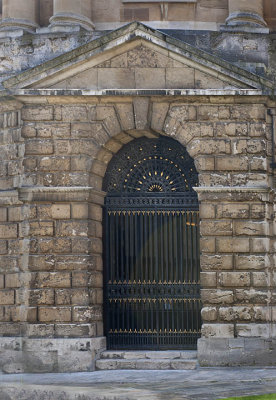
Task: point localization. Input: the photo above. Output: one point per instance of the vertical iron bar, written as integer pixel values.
(117, 278)
(127, 247)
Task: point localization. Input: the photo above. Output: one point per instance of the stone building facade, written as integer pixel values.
(78, 84)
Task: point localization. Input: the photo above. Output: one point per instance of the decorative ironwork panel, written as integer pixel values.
(151, 166)
(152, 290)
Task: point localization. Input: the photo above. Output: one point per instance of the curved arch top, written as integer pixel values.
(160, 165)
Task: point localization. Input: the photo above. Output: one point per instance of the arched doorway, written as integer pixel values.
(151, 241)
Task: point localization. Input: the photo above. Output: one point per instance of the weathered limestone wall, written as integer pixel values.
(68, 144)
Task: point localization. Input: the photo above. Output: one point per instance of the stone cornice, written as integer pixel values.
(61, 194)
(134, 92)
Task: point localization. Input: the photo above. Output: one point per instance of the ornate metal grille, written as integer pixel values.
(152, 297)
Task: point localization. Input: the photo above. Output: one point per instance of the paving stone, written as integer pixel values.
(201, 383)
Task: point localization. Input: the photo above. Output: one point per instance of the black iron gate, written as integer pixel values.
(151, 288)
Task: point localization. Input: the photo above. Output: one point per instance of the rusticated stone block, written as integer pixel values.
(54, 314)
(231, 129)
(251, 262)
(238, 313)
(60, 211)
(262, 314)
(1, 281)
(217, 296)
(41, 297)
(81, 162)
(258, 211)
(218, 330)
(233, 210)
(28, 314)
(87, 314)
(248, 112)
(213, 228)
(39, 147)
(28, 131)
(12, 280)
(216, 262)
(183, 113)
(235, 279)
(232, 244)
(44, 211)
(207, 211)
(258, 164)
(79, 211)
(95, 212)
(96, 296)
(95, 229)
(250, 228)
(3, 214)
(9, 264)
(205, 163)
(74, 113)
(159, 113)
(40, 330)
(207, 244)
(232, 163)
(43, 228)
(41, 263)
(257, 129)
(54, 245)
(208, 279)
(95, 279)
(209, 146)
(252, 330)
(15, 214)
(51, 279)
(8, 231)
(260, 245)
(79, 279)
(54, 163)
(126, 115)
(6, 297)
(37, 113)
(80, 245)
(209, 313)
(72, 296)
(75, 330)
(251, 296)
(3, 247)
(260, 279)
(63, 296)
(206, 112)
(96, 245)
(71, 228)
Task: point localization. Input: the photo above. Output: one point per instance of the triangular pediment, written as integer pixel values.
(136, 57)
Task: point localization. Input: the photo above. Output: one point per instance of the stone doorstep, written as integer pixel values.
(140, 354)
(147, 360)
(146, 364)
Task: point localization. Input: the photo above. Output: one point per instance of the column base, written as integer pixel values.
(12, 27)
(245, 22)
(234, 352)
(61, 22)
(24, 355)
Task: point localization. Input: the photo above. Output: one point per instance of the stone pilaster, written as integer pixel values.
(72, 14)
(245, 16)
(18, 17)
